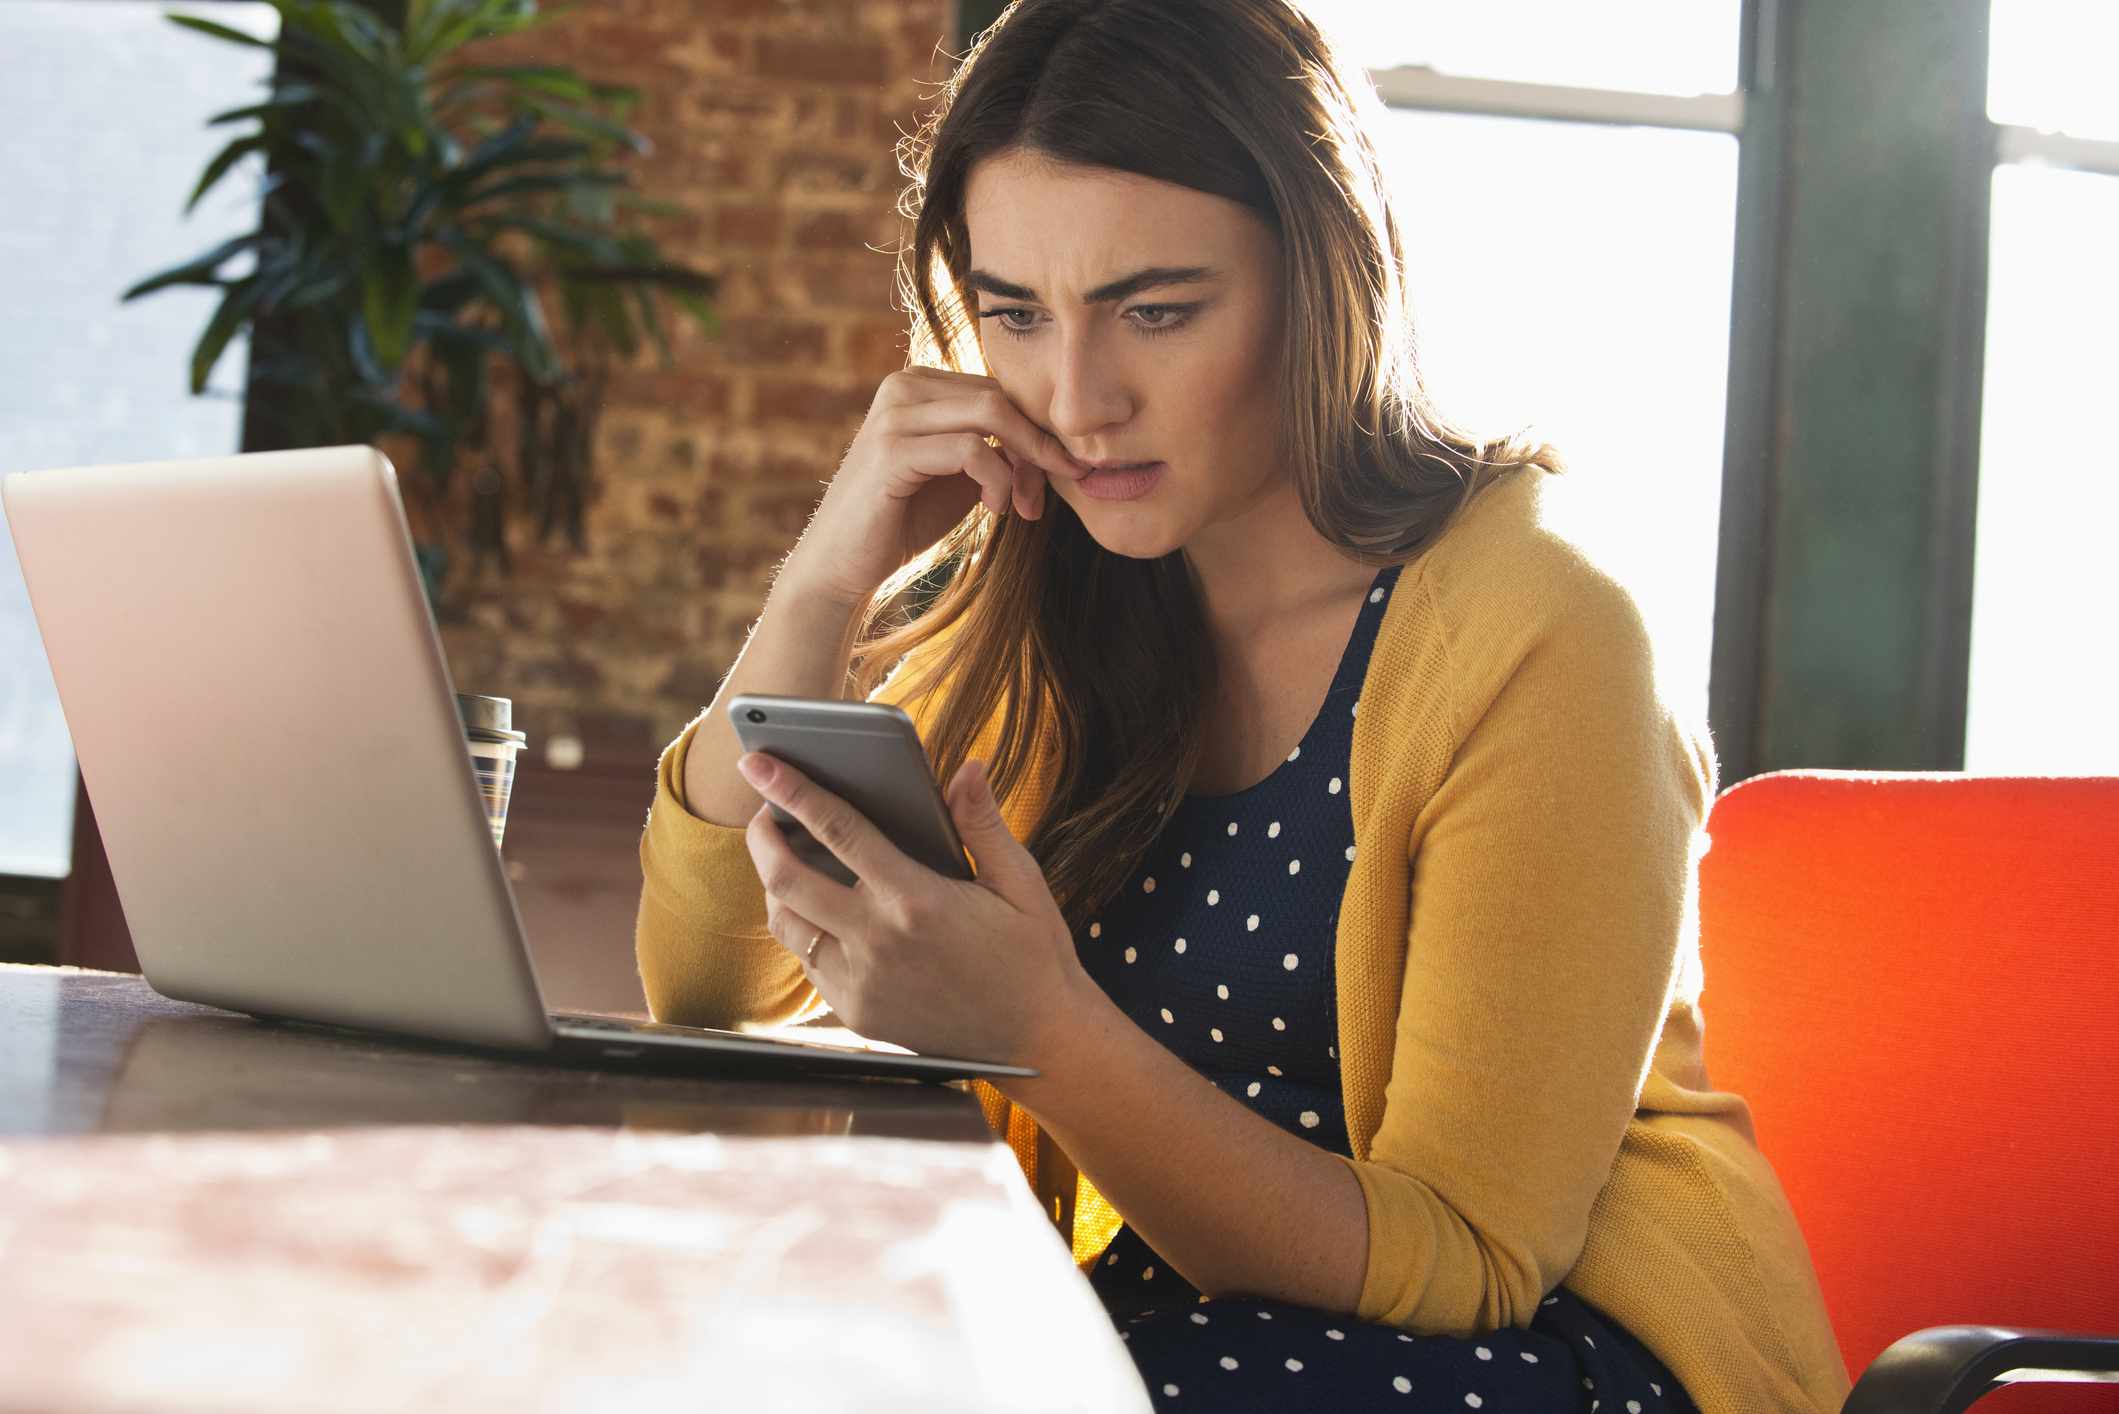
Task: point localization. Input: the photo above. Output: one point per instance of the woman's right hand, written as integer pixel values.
(917, 466)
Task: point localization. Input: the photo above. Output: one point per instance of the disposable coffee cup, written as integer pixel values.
(489, 732)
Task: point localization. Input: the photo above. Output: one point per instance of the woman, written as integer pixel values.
(1336, 858)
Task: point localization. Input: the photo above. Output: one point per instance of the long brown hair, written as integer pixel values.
(1098, 664)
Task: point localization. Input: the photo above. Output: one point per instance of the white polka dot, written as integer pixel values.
(1273, 1070)
(1483, 1353)
(1096, 930)
(1232, 827)
(1179, 945)
(1252, 1090)
(1528, 1358)
(1215, 1032)
(1213, 897)
(1279, 1025)
(1334, 786)
(1250, 925)
(1185, 859)
(1331, 1334)
(1550, 1301)
(1294, 1364)
(1147, 1274)
(1309, 1119)
(1406, 1338)
(1125, 1335)
(1170, 1390)
(1350, 854)
(1473, 1400)
(1130, 954)
(1273, 830)
(1633, 1406)
(1228, 1362)
(1295, 753)
(1290, 962)
(1166, 1015)
(1294, 866)
(1590, 1341)
(1112, 1260)
(1656, 1387)
(1198, 1319)
(1264, 1315)
(1332, 1051)
(1586, 1384)
(1147, 885)
(1222, 991)
(1376, 595)
(1355, 710)
(1401, 1384)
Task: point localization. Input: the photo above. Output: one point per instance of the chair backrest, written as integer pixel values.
(1914, 981)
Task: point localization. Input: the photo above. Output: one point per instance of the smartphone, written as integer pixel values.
(869, 755)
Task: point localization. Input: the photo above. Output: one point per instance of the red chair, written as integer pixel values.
(1914, 980)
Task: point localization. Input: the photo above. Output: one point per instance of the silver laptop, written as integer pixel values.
(268, 732)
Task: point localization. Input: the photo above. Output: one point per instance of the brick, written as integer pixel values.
(676, 391)
(822, 169)
(843, 61)
(802, 400)
(876, 349)
(757, 339)
(580, 617)
(862, 282)
(740, 567)
(825, 231)
(747, 225)
(782, 510)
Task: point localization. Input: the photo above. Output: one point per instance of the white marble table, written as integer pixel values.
(205, 1212)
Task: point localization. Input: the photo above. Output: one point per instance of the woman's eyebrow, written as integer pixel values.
(1153, 277)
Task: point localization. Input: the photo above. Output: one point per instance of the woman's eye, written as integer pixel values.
(1148, 319)
(1167, 317)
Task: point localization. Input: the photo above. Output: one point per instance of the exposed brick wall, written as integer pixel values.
(775, 121)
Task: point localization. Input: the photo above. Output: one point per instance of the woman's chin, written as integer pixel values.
(1135, 538)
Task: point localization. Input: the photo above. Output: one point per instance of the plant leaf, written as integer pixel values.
(199, 270)
(291, 95)
(219, 31)
(226, 158)
(389, 300)
(235, 308)
(546, 181)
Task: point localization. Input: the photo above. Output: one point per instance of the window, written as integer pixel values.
(2044, 580)
(106, 109)
(1564, 178)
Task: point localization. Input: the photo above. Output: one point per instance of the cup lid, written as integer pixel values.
(493, 714)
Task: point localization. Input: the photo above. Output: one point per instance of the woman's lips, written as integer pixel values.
(1125, 484)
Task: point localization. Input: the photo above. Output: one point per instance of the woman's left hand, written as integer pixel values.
(983, 968)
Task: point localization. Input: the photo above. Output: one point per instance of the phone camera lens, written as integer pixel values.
(755, 715)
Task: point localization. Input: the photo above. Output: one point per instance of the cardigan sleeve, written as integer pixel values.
(1553, 898)
(699, 939)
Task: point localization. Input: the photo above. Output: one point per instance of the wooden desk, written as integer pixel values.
(203, 1211)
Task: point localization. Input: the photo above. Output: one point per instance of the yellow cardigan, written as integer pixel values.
(1518, 973)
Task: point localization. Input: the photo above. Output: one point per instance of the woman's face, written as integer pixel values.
(1181, 371)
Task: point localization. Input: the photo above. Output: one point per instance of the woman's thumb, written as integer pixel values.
(978, 819)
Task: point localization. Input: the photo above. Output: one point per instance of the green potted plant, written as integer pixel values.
(415, 201)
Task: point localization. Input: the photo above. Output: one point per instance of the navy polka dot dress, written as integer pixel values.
(1220, 946)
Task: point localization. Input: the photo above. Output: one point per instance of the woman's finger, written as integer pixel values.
(795, 933)
(853, 840)
(965, 452)
(988, 412)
